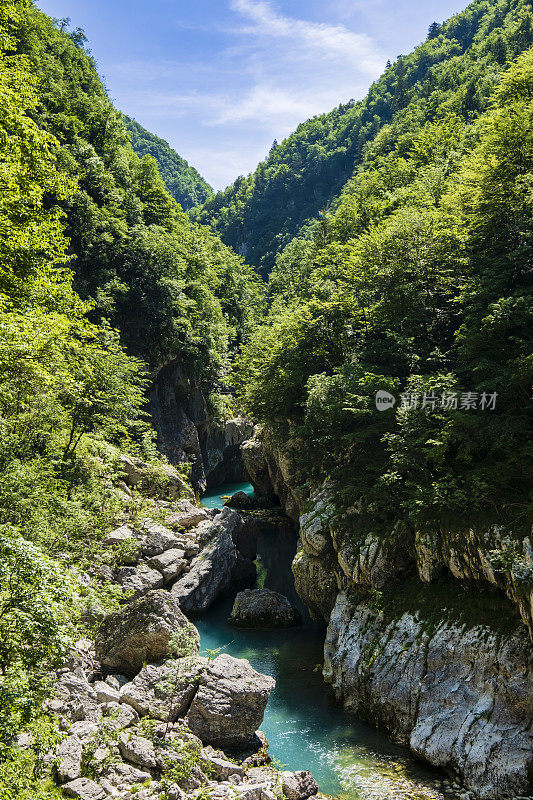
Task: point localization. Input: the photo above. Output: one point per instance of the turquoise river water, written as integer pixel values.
(304, 730)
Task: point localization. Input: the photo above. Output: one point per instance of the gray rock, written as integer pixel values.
(105, 693)
(298, 785)
(84, 789)
(211, 571)
(75, 699)
(69, 755)
(314, 524)
(170, 564)
(263, 608)
(139, 751)
(122, 775)
(119, 716)
(82, 656)
(256, 465)
(139, 580)
(459, 696)
(119, 536)
(219, 765)
(230, 702)
(164, 691)
(315, 583)
(116, 681)
(83, 730)
(186, 516)
(154, 539)
(141, 632)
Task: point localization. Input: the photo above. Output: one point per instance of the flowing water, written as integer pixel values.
(347, 758)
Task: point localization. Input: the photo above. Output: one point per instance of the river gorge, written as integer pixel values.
(304, 729)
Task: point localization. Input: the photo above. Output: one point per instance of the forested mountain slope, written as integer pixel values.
(417, 284)
(169, 286)
(100, 268)
(183, 182)
(457, 67)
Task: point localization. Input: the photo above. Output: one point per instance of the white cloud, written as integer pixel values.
(269, 73)
(333, 41)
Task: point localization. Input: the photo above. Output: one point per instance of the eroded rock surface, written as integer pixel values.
(164, 691)
(141, 632)
(229, 705)
(212, 570)
(459, 697)
(263, 608)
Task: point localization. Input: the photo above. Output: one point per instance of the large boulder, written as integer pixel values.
(186, 515)
(74, 700)
(263, 608)
(212, 570)
(456, 691)
(69, 755)
(162, 480)
(241, 500)
(139, 580)
(141, 632)
(171, 564)
(230, 702)
(164, 691)
(154, 539)
(298, 785)
(84, 789)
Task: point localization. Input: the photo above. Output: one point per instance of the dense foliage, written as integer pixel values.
(169, 286)
(418, 284)
(456, 68)
(184, 183)
(99, 267)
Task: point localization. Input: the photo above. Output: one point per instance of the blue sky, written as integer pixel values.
(221, 79)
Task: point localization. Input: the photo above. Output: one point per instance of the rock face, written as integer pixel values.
(459, 697)
(212, 570)
(262, 608)
(315, 583)
(141, 632)
(483, 738)
(269, 466)
(186, 433)
(230, 702)
(490, 556)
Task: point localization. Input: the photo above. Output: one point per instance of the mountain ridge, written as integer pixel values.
(182, 180)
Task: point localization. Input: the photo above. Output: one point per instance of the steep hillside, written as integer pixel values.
(170, 287)
(100, 268)
(393, 380)
(456, 67)
(183, 182)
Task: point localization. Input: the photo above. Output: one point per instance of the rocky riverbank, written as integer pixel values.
(184, 725)
(143, 714)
